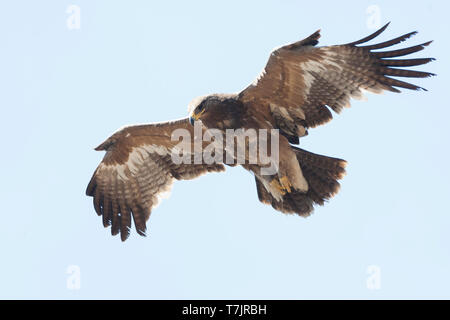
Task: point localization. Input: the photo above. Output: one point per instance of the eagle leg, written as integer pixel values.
(283, 185)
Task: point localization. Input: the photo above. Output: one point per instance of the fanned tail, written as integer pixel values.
(322, 174)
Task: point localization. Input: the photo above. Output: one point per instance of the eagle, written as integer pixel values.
(298, 89)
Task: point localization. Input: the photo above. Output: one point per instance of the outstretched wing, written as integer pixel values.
(137, 169)
(301, 82)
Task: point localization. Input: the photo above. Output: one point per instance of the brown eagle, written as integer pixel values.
(297, 90)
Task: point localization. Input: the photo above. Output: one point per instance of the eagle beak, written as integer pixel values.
(195, 117)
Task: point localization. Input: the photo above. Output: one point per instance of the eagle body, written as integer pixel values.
(230, 113)
(298, 90)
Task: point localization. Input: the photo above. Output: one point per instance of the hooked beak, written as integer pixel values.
(195, 117)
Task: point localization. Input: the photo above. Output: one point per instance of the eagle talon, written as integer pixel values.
(276, 185)
(283, 185)
(286, 184)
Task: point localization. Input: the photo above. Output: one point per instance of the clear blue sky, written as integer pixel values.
(64, 91)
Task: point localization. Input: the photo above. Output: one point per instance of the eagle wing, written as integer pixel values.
(136, 170)
(301, 82)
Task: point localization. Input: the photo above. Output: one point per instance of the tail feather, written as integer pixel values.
(321, 172)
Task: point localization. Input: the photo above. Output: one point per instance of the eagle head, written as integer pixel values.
(213, 108)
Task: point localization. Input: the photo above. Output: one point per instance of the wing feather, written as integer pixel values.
(136, 170)
(370, 37)
(314, 80)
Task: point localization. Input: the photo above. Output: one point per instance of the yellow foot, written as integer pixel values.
(283, 185)
(286, 184)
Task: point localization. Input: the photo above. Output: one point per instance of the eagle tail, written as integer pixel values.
(322, 174)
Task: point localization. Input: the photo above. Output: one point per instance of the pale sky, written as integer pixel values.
(66, 87)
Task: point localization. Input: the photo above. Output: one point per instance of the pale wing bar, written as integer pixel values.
(133, 175)
(361, 68)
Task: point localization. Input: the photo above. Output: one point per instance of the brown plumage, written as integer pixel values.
(136, 169)
(297, 90)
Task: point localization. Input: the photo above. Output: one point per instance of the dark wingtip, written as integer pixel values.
(90, 189)
(419, 89)
(312, 40)
(389, 43)
(370, 37)
(100, 147)
(142, 233)
(106, 144)
(401, 52)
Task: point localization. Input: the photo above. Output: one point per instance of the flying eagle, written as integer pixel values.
(297, 90)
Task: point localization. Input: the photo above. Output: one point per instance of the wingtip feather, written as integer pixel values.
(371, 36)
